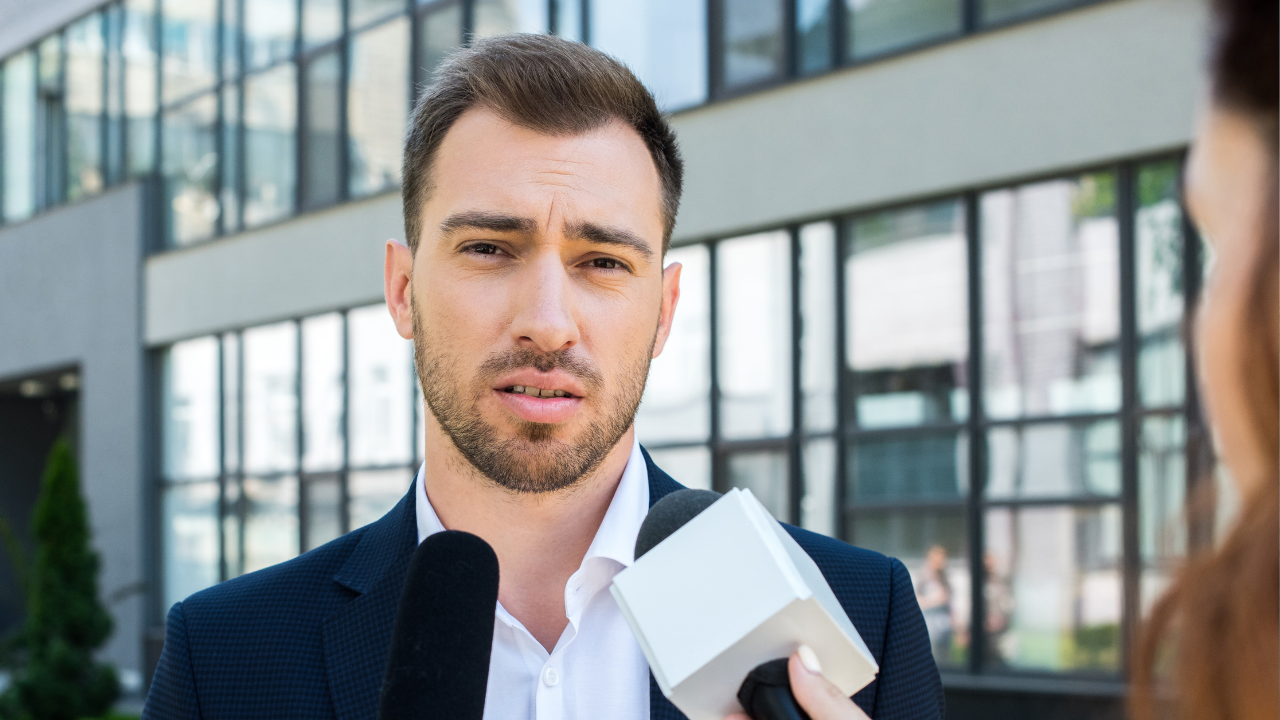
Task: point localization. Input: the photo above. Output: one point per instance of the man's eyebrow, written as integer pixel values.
(494, 222)
(592, 232)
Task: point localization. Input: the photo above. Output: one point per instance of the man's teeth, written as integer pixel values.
(536, 392)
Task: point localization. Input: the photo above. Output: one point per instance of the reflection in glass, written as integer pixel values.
(918, 466)
(113, 150)
(1051, 297)
(818, 326)
(321, 22)
(818, 506)
(270, 116)
(230, 39)
(813, 35)
(906, 307)
(664, 42)
(268, 31)
(323, 495)
(375, 492)
(999, 11)
(754, 50)
(190, 409)
(439, 33)
(880, 26)
(139, 50)
(84, 97)
(363, 12)
(323, 143)
(689, 466)
(1162, 503)
(1053, 590)
(270, 521)
(377, 105)
(1157, 233)
(189, 37)
(767, 476)
(322, 392)
(230, 158)
(190, 170)
(19, 136)
(270, 398)
(753, 279)
(381, 373)
(676, 404)
(933, 544)
(190, 539)
(231, 402)
(500, 17)
(1054, 460)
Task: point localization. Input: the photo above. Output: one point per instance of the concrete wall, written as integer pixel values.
(70, 295)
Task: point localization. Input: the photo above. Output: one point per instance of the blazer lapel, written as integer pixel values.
(357, 638)
(660, 485)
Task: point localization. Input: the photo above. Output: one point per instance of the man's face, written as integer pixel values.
(537, 296)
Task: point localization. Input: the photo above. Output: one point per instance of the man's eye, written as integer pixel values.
(606, 264)
(484, 249)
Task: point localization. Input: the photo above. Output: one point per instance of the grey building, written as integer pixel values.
(935, 289)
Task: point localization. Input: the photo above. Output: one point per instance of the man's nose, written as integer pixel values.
(544, 318)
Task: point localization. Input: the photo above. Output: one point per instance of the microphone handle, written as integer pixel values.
(766, 693)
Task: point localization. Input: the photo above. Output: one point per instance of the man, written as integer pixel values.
(540, 190)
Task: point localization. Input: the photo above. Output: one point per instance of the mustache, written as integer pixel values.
(517, 358)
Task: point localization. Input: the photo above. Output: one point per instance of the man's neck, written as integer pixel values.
(540, 539)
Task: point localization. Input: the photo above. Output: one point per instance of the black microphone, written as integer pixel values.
(766, 692)
(439, 661)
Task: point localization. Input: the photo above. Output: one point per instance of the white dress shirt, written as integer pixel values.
(597, 670)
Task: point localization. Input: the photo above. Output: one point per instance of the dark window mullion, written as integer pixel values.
(222, 457)
(796, 484)
(344, 475)
(843, 428)
(719, 482)
(299, 435)
(977, 437)
(1130, 418)
(344, 68)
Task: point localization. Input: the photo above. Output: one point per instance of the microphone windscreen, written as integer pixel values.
(439, 661)
(670, 514)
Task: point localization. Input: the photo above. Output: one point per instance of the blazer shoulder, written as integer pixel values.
(841, 557)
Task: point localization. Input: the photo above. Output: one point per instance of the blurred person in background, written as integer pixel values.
(933, 592)
(1214, 639)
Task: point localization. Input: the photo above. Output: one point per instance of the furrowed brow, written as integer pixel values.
(493, 222)
(610, 236)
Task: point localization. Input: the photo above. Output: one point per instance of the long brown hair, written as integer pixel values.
(1214, 638)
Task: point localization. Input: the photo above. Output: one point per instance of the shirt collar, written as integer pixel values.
(616, 537)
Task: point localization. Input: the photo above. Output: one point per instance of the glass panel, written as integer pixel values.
(50, 148)
(190, 170)
(322, 392)
(1162, 500)
(1053, 589)
(934, 546)
(232, 529)
(767, 476)
(270, 398)
(1162, 360)
(664, 42)
(999, 11)
(190, 409)
(1054, 460)
(906, 306)
(378, 106)
(84, 97)
(231, 175)
(270, 521)
(677, 396)
(1051, 289)
(190, 539)
(439, 33)
(753, 279)
(230, 39)
(231, 402)
(813, 35)
(365, 11)
(113, 152)
(321, 22)
(568, 19)
(753, 42)
(324, 510)
(375, 492)
(880, 26)
(190, 47)
(269, 119)
(381, 374)
(19, 136)
(139, 85)
(918, 466)
(268, 31)
(818, 326)
(689, 466)
(323, 135)
(499, 17)
(818, 506)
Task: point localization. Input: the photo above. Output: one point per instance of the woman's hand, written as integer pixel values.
(816, 695)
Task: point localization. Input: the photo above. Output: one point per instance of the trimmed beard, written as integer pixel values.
(532, 462)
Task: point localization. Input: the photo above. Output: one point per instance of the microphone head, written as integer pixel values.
(670, 514)
(438, 666)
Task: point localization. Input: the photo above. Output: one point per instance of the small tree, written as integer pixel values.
(56, 677)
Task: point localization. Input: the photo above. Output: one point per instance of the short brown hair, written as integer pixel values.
(545, 84)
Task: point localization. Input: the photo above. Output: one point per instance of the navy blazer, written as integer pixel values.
(309, 638)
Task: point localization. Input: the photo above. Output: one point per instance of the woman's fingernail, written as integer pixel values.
(809, 659)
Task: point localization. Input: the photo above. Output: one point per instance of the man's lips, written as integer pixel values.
(549, 410)
(541, 397)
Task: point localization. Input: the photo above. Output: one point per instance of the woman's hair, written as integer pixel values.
(1215, 636)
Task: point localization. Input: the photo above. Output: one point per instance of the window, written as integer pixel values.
(268, 32)
(85, 93)
(19, 136)
(190, 170)
(664, 42)
(321, 22)
(876, 27)
(140, 58)
(270, 116)
(323, 129)
(377, 106)
(439, 33)
(754, 50)
(813, 35)
(189, 45)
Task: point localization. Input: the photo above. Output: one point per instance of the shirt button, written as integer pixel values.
(550, 677)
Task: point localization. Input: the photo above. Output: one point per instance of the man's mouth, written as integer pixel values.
(532, 391)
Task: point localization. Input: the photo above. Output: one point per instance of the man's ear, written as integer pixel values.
(397, 286)
(670, 296)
